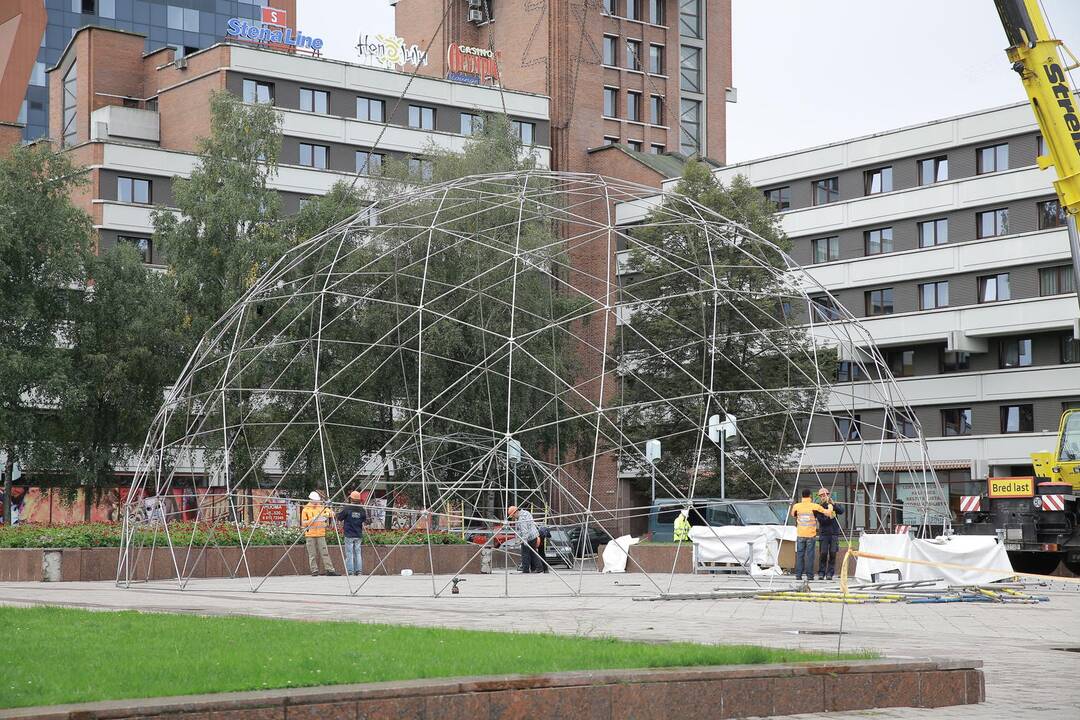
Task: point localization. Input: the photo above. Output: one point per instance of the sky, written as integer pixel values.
(811, 72)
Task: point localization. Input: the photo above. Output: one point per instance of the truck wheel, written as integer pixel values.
(1037, 563)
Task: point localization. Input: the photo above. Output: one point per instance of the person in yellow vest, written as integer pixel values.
(314, 518)
(806, 528)
(682, 527)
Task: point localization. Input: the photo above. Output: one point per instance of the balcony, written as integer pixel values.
(115, 122)
(979, 450)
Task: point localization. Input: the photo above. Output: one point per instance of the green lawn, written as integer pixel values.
(59, 655)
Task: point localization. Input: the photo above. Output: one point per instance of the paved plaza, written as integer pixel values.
(1027, 676)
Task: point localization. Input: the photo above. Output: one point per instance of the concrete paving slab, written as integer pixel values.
(1026, 676)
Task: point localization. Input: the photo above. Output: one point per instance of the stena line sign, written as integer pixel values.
(272, 31)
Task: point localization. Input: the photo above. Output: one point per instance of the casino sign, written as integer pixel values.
(472, 65)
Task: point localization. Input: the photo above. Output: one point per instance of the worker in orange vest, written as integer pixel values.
(314, 519)
(806, 528)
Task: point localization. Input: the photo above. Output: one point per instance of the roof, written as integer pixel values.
(670, 165)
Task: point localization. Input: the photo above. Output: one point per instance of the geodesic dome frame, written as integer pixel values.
(501, 339)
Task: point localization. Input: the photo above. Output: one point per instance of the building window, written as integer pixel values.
(420, 168)
(37, 75)
(879, 302)
(1056, 280)
(422, 117)
(524, 131)
(934, 295)
(610, 44)
(992, 159)
(849, 428)
(133, 190)
(780, 197)
(826, 190)
(314, 155)
(1017, 418)
(609, 140)
(933, 170)
(471, 124)
(878, 241)
(1051, 215)
(635, 145)
(690, 18)
(848, 371)
(144, 245)
(826, 249)
(256, 91)
(369, 163)
(992, 223)
(633, 9)
(994, 287)
(1014, 353)
(656, 12)
(611, 7)
(690, 127)
(611, 102)
(1070, 349)
(1040, 145)
(656, 59)
(657, 149)
(70, 131)
(898, 426)
(877, 181)
(315, 100)
(824, 309)
(690, 68)
(901, 362)
(633, 106)
(955, 361)
(933, 232)
(955, 422)
(370, 109)
(633, 54)
(656, 110)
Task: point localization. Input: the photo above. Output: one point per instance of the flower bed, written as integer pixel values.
(98, 535)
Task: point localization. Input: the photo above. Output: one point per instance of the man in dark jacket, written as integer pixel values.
(352, 517)
(828, 536)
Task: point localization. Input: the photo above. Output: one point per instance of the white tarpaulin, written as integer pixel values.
(616, 553)
(730, 543)
(980, 551)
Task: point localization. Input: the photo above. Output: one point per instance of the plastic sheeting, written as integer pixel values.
(971, 550)
(617, 552)
(731, 543)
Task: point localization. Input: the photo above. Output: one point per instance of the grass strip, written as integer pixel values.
(62, 655)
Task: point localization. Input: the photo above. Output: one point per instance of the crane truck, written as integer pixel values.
(1038, 518)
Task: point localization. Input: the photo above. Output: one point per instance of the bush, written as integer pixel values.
(91, 535)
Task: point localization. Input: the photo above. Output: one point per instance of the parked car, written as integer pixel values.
(587, 544)
(496, 536)
(715, 513)
(559, 548)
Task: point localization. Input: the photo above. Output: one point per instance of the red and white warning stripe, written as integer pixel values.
(903, 529)
(1053, 502)
(970, 503)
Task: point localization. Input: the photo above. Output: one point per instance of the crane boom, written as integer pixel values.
(1036, 57)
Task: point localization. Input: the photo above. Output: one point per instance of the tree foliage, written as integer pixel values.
(760, 362)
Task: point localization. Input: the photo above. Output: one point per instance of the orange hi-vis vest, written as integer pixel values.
(314, 518)
(805, 522)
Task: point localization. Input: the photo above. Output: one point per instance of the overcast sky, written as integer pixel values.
(810, 72)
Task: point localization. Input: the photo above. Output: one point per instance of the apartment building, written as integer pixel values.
(43, 29)
(653, 75)
(134, 119)
(947, 243)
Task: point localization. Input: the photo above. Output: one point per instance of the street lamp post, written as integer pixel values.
(719, 431)
(652, 454)
(513, 456)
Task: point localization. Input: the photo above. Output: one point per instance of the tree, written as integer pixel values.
(126, 343)
(228, 230)
(742, 341)
(44, 244)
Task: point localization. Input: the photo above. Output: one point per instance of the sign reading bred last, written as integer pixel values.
(1011, 487)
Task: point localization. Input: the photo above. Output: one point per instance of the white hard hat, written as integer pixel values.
(314, 496)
